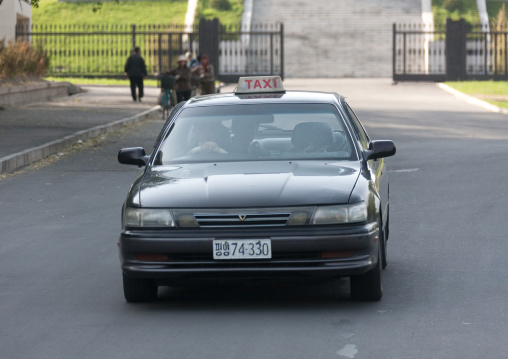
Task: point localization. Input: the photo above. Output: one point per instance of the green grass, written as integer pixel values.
(502, 104)
(498, 88)
(480, 87)
(123, 12)
(99, 81)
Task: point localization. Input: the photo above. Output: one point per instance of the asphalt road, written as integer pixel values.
(445, 286)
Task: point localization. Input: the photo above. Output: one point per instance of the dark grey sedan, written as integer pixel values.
(260, 183)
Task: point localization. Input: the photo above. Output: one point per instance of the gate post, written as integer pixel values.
(209, 37)
(133, 36)
(455, 50)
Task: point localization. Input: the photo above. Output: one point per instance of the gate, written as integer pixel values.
(101, 51)
(454, 53)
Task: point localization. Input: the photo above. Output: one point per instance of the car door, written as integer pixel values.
(377, 167)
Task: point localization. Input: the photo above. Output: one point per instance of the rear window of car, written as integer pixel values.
(257, 132)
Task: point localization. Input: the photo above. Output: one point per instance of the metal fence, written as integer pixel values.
(456, 52)
(257, 50)
(101, 50)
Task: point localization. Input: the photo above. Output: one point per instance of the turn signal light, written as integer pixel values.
(150, 257)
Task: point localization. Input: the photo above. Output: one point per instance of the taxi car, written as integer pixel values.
(259, 183)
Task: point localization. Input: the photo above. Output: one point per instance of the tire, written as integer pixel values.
(384, 261)
(368, 286)
(139, 290)
(387, 227)
(382, 244)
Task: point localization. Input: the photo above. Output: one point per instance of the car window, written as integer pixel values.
(257, 132)
(358, 128)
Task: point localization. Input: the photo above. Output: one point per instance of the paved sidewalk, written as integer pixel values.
(32, 132)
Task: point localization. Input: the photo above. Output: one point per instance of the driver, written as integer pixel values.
(210, 137)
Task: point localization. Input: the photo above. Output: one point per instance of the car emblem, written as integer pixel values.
(242, 217)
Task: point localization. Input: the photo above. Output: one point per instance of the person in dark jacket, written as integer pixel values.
(182, 76)
(204, 72)
(135, 69)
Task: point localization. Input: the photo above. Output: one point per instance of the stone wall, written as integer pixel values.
(330, 38)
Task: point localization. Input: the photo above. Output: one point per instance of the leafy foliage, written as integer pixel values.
(494, 7)
(209, 9)
(220, 5)
(454, 5)
(499, 24)
(455, 10)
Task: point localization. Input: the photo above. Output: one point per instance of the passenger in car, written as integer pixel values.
(340, 143)
(312, 137)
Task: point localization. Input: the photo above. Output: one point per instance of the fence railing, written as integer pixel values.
(457, 52)
(418, 52)
(101, 50)
(256, 51)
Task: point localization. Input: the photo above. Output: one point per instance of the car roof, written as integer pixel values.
(264, 98)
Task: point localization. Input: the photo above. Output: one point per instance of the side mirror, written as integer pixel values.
(133, 156)
(380, 149)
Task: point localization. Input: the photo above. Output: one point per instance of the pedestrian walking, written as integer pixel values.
(182, 76)
(206, 75)
(135, 69)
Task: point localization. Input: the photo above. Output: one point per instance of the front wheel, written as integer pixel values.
(368, 286)
(139, 289)
(382, 244)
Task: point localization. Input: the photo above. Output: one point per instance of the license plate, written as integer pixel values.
(242, 249)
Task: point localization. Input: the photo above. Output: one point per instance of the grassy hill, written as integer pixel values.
(123, 12)
(131, 12)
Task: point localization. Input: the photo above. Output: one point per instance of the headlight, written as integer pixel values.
(144, 217)
(351, 213)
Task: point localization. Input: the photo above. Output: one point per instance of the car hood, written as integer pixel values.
(248, 184)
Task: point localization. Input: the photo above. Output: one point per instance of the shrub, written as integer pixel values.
(220, 5)
(21, 59)
(499, 24)
(454, 5)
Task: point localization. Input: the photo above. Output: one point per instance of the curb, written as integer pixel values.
(473, 100)
(30, 93)
(15, 161)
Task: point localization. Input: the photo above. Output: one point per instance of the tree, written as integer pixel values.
(35, 3)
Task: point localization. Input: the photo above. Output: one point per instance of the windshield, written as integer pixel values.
(257, 132)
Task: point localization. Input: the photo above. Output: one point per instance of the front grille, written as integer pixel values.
(210, 220)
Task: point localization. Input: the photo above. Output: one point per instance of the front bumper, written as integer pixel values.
(295, 252)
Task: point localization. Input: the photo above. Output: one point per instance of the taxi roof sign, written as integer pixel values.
(259, 84)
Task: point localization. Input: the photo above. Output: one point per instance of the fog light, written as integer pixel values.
(337, 254)
(150, 257)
